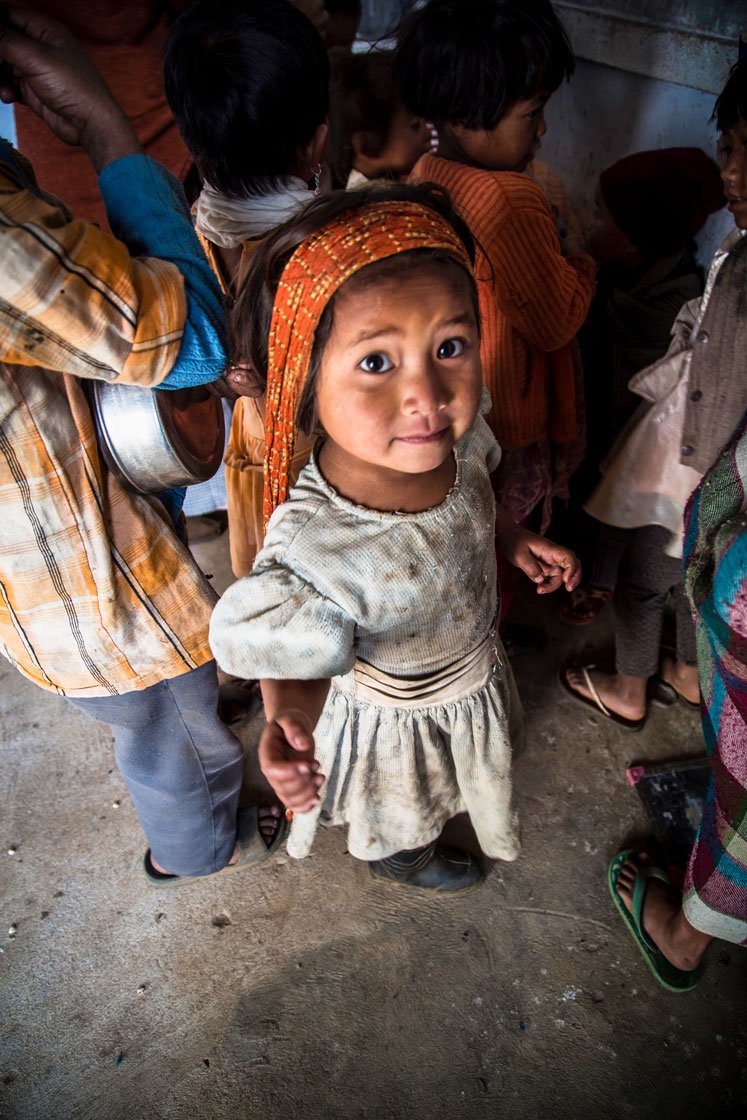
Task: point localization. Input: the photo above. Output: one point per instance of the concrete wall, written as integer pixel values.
(605, 113)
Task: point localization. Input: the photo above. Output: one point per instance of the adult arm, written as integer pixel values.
(75, 299)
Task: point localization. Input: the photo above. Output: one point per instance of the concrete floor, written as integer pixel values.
(305, 991)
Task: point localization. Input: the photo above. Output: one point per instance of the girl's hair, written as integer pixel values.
(364, 99)
(248, 84)
(731, 103)
(252, 313)
(467, 62)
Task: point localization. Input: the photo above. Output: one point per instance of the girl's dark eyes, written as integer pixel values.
(451, 348)
(376, 363)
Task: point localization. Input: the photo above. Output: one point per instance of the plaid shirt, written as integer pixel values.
(97, 594)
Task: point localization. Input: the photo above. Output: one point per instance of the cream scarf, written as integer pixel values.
(228, 221)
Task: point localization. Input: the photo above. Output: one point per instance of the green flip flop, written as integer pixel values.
(665, 973)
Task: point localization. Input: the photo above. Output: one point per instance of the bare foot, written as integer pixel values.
(625, 696)
(663, 920)
(683, 678)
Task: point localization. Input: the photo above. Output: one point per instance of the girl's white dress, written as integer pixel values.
(398, 609)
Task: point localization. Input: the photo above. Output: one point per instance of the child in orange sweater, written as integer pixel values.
(483, 71)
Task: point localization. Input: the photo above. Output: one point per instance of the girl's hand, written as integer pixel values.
(286, 756)
(546, 564)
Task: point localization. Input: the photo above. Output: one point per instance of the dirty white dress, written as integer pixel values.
(398, 609)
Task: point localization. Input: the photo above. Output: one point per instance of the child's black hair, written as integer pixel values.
(248, 84)
(731, 103)
(252, 313)
(467, 62)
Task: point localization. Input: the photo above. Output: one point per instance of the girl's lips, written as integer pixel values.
(424, 437)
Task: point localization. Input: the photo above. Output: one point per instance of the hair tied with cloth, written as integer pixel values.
(314, 273)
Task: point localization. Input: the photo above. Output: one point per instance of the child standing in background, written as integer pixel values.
(248, 85)
(483, 71)
(371, 134)
(370, 613)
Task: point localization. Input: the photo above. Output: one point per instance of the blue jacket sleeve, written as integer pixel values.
(147, 210)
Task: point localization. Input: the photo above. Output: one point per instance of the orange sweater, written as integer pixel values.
(532, 299)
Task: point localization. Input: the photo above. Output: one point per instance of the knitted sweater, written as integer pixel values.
(532, 299)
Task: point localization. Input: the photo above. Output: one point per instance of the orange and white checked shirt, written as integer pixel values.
(97, 594)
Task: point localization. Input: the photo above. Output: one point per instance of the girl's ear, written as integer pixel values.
(360, 143)
(310, 157)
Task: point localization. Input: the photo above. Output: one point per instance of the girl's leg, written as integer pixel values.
(682, 673)
(182, 767)
(645, 578)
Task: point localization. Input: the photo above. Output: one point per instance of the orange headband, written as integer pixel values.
(317, 269)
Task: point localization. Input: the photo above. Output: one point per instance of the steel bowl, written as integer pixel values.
(153, 439)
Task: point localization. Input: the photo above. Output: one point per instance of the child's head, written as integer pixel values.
(482, 71)
(731, 119)
(248, 84)
(342, 26)
(651, 204)
(362, 318)
(372, 130)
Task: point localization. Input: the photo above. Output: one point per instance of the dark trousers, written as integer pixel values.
(645, 579)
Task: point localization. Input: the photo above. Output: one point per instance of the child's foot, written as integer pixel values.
(441, 870)
(662, 917)
(683, 679)
(625, 696)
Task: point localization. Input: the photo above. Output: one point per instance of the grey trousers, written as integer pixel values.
(182, 767)
(645, 578)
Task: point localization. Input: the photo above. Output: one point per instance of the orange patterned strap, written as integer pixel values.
(317, 269)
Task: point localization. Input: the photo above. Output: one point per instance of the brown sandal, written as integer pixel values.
(586, 604)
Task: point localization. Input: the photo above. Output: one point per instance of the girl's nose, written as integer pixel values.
(426, 391)
(541, 126)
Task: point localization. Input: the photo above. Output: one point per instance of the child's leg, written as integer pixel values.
(183, 768)
(431, 868)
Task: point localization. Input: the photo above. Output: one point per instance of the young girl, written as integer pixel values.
(370, 611)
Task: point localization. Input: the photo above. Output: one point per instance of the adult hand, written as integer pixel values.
(286, 756)
(44, 68)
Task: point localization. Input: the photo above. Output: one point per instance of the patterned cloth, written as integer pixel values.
(97, 594)
(345, 592)
(715, 560)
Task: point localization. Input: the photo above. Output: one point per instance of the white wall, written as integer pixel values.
(604, 114)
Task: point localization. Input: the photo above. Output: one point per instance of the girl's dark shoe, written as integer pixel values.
(441, 870)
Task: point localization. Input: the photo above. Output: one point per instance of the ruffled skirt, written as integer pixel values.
(397, 770)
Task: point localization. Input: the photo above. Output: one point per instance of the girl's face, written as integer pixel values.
(400, 378)
(732, 156)
(510, 145)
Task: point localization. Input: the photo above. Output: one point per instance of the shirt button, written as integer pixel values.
(702, 336)
(687, 450)
(696, 396)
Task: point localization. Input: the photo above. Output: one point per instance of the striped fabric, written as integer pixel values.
(129, 313)
(97, 595)
(532, 300)
(715, 559)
